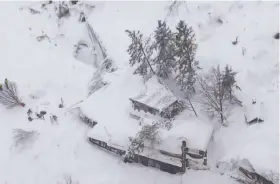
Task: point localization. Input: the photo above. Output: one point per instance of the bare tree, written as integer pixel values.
(214, 95)
(9, 95)
(188, 104)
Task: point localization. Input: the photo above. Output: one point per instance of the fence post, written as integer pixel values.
(184, 156)
(205, 159)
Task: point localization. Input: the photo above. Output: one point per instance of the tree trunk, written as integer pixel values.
(147, 59)
(192, 106)
(221, 111)
(222, 118)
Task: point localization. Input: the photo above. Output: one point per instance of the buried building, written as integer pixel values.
(254, 113)
(157, 100)
(183, 146)
(115, 129)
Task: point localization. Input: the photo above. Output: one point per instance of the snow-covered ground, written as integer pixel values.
(50, 69)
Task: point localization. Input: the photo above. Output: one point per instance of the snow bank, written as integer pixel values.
(259, 143)
(254, 58)
(259, 148)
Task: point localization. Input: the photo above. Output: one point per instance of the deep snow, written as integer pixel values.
(52, 70)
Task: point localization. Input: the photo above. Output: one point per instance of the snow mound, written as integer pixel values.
(196, 133)
(115, 105)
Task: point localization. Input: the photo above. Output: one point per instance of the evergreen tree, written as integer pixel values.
(140, 52)
(185, 50)
(165, 46)
(229, 82)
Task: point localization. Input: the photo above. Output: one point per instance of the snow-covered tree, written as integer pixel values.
(186, 65)
(214, 96)
(9, 95)
(170, 53)
(140, 51)
(229, 83)
(164, 45)
(148, 134)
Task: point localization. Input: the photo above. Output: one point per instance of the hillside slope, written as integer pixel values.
(50, 69)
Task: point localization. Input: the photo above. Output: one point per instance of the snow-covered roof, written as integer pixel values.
(196, 133)
(156, 95)
(116, 135)
(118, 138)
(115, 126)
(110, 107)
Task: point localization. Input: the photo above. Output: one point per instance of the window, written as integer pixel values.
(157, 165)
(151, 163)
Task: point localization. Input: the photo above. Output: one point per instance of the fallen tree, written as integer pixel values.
(9, 95)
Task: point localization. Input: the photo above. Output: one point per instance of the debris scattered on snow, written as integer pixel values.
(235, 42)
(276, 36)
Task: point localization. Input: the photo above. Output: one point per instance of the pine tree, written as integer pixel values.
(229, 79)
(186, 65)
(140, 52)
(164, 44)
(229, 83)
